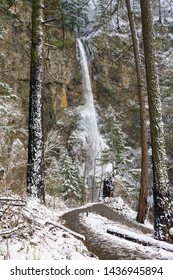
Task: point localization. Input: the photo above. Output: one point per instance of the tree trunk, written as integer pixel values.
(118, 20)
(162, 205)
(144, 145)
(35, 171)
(160, 12)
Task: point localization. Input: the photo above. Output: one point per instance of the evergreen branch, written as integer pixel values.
(102, 14)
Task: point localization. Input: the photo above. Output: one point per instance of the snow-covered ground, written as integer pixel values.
(35, 232)
(101, 224)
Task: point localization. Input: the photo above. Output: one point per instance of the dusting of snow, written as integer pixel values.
(37, 235)
(36, 232)
(100, 224)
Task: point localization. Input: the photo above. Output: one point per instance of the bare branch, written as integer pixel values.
(49, 20)
(66, 229)
(50, 46)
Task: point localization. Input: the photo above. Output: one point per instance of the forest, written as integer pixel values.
(85, 99)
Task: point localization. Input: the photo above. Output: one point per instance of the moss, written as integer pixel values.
(132, 126)
(77, 78)
(37, 34)
(112, 45)
(67, 43)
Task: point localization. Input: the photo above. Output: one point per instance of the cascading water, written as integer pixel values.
(93, 137)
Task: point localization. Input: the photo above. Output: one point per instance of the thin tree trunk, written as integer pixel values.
(118, 21)
(160, 12)
(144, 145)
(35, 172)
(162, 205)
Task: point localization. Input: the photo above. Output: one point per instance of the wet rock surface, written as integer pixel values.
(102, 246)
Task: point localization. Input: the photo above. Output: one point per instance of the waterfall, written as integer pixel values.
(89, 111)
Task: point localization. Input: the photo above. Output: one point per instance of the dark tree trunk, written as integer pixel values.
(162, 205)
(160, 12)
(144, 145)
(35, 172)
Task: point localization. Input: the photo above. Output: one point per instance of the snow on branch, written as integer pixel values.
(12, 201)
(11, 231)
(82, 237)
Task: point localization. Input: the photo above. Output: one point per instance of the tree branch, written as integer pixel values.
(48, 20)
(82, 237)
(49, 45)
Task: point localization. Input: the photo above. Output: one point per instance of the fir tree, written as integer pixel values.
(115, 153)
(35, 172)
(72, 14)
(72, 182)
(53, 179)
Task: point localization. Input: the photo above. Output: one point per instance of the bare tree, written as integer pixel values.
(162, 205)
(35, 172)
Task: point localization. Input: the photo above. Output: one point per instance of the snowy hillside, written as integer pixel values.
(91, 121)
(31, 231)
(34, 232)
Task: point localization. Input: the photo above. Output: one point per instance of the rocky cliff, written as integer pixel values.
(113, 78)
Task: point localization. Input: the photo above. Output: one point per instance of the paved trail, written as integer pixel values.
(103, 246)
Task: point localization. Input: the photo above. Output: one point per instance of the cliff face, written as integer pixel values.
(114, 81)
(14, 78)
(113, 77)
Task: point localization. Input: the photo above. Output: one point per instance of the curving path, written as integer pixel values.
(101, 245)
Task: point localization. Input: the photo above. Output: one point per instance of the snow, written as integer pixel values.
(36, 232)
(104, 225)
(101, 224)
(38, 235)
(171, 231)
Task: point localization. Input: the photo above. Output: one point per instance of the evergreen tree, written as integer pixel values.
(117, 142)
(105, 10)
(161, 193)
(72, 182)
(72, 14)
(53, 178)
(35, 172)
(52, 147)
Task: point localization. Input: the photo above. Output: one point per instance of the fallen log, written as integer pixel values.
(155, 243)
(128, 237)
(12, 201)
